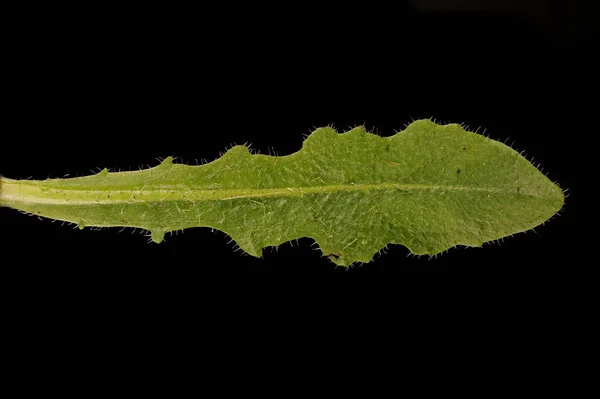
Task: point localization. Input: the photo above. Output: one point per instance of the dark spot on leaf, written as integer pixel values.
(518, 190)
(464, 148)
(458, 171)
(387, 148)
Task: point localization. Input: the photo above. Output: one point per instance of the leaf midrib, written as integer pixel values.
(34, 193)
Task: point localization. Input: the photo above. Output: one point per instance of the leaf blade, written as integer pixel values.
(430, 187)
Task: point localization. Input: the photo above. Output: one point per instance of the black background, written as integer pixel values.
(117, 88)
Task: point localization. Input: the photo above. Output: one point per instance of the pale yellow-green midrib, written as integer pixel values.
(29, 192)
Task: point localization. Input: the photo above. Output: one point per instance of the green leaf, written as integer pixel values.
(430, 188)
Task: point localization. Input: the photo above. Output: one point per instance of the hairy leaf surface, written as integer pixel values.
(429, 187)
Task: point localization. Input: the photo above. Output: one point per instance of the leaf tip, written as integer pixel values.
(157, 235)
(357, 131)
(239, 150)
(318, 136)
(168, 161)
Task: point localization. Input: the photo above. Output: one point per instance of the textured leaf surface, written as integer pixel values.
(430, 188)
